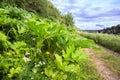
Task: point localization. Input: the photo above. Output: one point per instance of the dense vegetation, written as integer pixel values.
(35, 48)
(110, 41)
(44, 8)
(111, 30)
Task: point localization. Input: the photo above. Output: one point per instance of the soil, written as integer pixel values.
(102, 69)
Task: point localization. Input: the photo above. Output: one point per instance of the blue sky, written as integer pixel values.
(91, 14)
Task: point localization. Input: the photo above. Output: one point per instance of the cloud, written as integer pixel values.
(98, 15)
(116, 2)
(91, 14)
(100, 25)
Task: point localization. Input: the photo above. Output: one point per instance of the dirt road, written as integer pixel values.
(102, 69)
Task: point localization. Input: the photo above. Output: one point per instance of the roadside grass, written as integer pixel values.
(91, 69)
(111, 61)
(107, 40)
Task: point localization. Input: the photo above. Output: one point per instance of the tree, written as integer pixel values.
(42, 7)
(112, 30)
(68, 19)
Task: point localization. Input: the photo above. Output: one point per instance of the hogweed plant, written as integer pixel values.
(33, 48)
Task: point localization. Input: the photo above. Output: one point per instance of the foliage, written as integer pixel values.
(40, 49)
(44, 8)
(109, 41)
(111, 30)
(68, 19)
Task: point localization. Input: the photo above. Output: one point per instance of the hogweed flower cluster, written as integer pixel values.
(27, 53)
(26, 59)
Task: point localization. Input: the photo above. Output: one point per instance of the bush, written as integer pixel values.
(40, 49)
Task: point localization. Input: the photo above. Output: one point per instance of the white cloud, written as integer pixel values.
(88, 13)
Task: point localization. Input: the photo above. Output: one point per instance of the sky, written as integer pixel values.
(91, 14)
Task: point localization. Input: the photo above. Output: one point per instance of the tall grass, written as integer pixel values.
(110, 41)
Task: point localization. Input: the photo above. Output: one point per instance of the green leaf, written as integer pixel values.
(74, 68)
(18, 44)
(80, 55)
(3, 37)
(21, 29)
(70, 67)
(12, 71)
(68, 53)
(18, 70)
(48, 71)
(58, 61)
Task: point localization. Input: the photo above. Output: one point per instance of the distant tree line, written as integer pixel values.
(44, 8)
(111, 30)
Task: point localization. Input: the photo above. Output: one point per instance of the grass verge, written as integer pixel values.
(111, 61)
(92, 71)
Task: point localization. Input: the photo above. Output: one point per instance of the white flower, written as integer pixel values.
(26, 59)
(27, 53)
(41, 63)
(34, 70)
(37, 65)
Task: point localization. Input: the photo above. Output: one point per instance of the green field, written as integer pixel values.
(110, 41)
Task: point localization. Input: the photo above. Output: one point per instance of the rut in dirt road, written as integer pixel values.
(101, 68)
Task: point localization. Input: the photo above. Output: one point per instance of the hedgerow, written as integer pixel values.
(33, 48)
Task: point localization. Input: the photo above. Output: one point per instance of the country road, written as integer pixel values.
(102, 69)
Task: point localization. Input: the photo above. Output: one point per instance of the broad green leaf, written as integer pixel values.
(48, 71)
(58, 60)
(3, 37)
(21, 29)
(18, 44)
